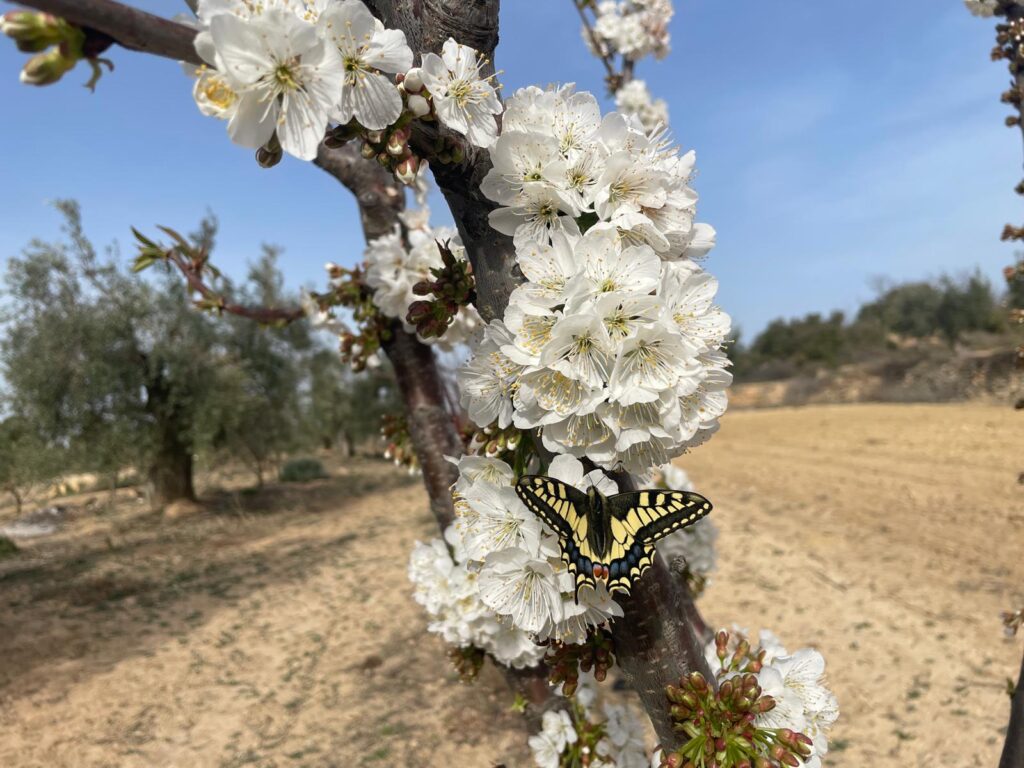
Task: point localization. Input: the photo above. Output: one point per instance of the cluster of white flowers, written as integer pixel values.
(450, 592)
(620, 746)
(505, 586)
(695, 543)
(292, 67)
(634, 98)
(633, 28)
(612, 348)
(796, 681)
(521, 574)
(392, 270)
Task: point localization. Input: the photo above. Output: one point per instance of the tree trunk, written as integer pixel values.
(17, 500)
(171, 472)
(171, 469)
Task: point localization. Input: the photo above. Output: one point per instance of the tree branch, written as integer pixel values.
(127, 26)
(604, 55)
(1013, 747)
(265, 315)
(381, 198)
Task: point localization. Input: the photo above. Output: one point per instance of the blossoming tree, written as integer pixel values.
(575, 278)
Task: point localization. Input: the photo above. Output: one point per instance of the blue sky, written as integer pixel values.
(835, 143)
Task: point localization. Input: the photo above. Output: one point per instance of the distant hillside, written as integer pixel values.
(928, 375)
(916, 342)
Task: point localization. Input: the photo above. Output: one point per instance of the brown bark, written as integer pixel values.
(431, 427)
(171, 468)
(1013, 748)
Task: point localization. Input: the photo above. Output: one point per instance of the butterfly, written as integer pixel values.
(609, 538)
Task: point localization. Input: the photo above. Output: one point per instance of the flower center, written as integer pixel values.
(218, 93)
(286, 75)
(461, 91)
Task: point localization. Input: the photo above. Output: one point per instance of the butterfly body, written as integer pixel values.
(609, 538)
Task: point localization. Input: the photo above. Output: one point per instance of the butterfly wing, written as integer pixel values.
(638, 520)
(566, 510)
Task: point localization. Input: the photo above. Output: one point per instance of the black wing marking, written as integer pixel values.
(639, 519)
(567, 511)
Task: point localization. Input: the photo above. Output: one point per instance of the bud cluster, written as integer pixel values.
(395, 431)
(566, 661)
(494, 443)
(349, 289)
(467, 661)
(721, 726)
(391, 146)
(740, 660)
(453, 286)
(58, 46)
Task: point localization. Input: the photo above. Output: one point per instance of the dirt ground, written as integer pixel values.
(276, 628)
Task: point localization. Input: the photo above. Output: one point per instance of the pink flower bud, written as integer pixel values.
(407, 169)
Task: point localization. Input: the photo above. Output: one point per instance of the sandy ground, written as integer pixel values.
(890, 537)
(276, 628)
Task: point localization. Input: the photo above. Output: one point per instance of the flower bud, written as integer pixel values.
(418, 105)
(375, 137)
(46, 68)
(413, 81)
(33, 32)
(406, 170)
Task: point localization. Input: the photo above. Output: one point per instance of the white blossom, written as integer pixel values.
(635, 99)
(612, 345)
(449, 591)
(285, 76)
(633, 28)
(623, 745)
(490, 379)
(464, 99)
(515, 584)
(397, 261)
(213, 93)
(556, 733)
(366, 50)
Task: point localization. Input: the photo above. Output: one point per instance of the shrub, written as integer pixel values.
(301, 470)
(7, 548)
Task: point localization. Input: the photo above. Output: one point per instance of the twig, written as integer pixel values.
(127, 26)
(265, 315)
(606, 56)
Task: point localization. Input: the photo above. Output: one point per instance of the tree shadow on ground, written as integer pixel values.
(131, 582)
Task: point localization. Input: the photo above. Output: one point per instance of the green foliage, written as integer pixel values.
(946, 310)
(115, 370)
(302, 470)
(7, 548)
(24, 458)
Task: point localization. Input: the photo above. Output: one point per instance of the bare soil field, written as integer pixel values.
(276, 628)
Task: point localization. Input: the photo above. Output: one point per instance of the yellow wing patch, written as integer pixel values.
(635, 521)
